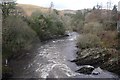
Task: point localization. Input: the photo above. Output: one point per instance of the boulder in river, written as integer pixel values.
(97, 71)
(86, 69)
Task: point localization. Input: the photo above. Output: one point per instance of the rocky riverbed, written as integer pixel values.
(106, 59)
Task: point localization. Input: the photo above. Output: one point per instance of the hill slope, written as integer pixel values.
(29, 9)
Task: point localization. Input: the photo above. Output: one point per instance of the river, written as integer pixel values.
(52, 60)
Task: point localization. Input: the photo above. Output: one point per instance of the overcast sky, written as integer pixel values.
(69, 4)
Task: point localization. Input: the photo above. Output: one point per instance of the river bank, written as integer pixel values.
(25, 54)
(105, 58)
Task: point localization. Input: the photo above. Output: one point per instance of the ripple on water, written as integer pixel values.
(47, 68)
(51, 59)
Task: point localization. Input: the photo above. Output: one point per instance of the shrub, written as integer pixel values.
(109, 39)
(46, 25)
(67, 22)
(93, 27)
(16, 35)
(110, 25)
(88, 41)
(78, 26)
(78, 21)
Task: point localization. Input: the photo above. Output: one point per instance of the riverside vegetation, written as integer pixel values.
(20, 31)
(98, 44)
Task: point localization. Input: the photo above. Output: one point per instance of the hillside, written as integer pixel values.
(69, 11)
(29, 9)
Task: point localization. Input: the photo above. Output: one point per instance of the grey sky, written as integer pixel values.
(68, 4)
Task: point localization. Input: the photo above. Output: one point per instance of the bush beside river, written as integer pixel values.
(20, 31)
(98, 42)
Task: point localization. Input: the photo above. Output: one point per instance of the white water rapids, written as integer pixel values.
(52, 60)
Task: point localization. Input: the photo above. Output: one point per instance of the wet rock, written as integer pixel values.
(112, 65)
(107, 59)
(75, 60)
(97, 71)
(66, 35)
(86, 70)
(92, 57)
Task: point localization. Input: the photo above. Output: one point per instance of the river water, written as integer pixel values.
(52, 60)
